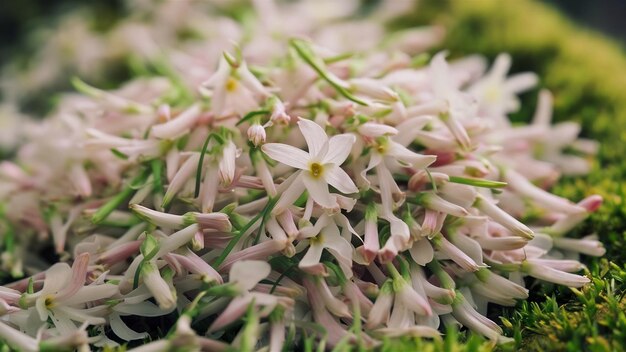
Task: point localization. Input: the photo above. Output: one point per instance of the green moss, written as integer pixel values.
(586, 74)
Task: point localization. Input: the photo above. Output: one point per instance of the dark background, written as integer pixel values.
(18, 17)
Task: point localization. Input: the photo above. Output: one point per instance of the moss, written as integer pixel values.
(586, 73)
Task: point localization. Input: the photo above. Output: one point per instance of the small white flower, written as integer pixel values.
(321, 164)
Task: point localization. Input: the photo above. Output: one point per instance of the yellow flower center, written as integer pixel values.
(492, 94)
(231, 84)
(49, 302)
(317, 239)
(316, 170)
(381, 148)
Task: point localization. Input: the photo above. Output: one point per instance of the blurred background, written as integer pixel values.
(19, 18)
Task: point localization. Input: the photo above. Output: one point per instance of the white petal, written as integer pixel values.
(91, 293)
(287, 154)
(407, 156)
(248, 273)
(339, 148)
(313, 134)
(143, 309)
(336, 177)
(312, 256)
(122, 331)
(57, 277)
(422, 252)
(521, 82)
(501, 66)
(178, 125)
(334, 241)
(318, 190)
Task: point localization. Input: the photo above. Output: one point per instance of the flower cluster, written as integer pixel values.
(295, 192)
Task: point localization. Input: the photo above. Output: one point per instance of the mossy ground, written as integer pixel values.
(587, 75)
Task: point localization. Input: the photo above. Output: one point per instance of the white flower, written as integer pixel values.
(321, 164)
(235, 89)
(496, 94)
(63, 296)
(325, 234)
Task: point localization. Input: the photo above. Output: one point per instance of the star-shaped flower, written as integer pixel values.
(320, 165)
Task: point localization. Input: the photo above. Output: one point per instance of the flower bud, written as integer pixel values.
(256, 134)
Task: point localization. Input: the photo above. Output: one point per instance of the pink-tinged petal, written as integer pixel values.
(311, 260)
(233, 311)
(379, 314)
(371, 245)
(179, 125)
(412, 300)
(313, 134)
(287, 155)
(457, 255)
(339, 148)
(336, 177)
(80, 179)
(545, 199)
(470, 318)
(185, 172)
(227, 164)
(79, 274)
(192, 262)
(318, 190)
(257, 252)
(488, 208)
(336, 306)
(248, 273)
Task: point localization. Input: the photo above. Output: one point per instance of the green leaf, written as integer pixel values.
(105, 210)
(478, 182)
(119, 154)
(200, 162)
(249, 116)
(149, 247)
(306, 53)
(157, 166)
(268, 208)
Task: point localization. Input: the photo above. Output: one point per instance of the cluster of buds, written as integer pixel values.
(349, 197)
